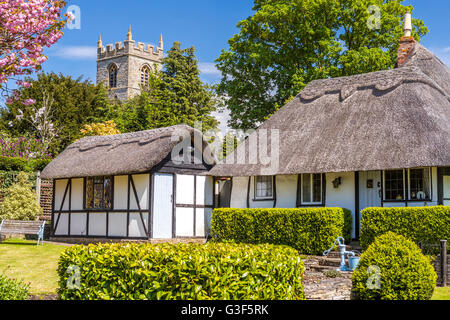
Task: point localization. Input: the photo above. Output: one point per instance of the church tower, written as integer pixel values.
(124, 69)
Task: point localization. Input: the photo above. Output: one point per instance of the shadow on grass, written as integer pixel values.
(18, 243)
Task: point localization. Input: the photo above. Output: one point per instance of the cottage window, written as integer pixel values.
(264, 187)
(410, 184)
(98, 193)
(311, 189)
(113, 76)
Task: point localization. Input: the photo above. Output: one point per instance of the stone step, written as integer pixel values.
(319, 268)
(334, 262)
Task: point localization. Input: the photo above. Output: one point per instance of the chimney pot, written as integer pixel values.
(407, 25)
(407, 42)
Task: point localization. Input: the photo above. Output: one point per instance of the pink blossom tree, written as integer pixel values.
(26, 27)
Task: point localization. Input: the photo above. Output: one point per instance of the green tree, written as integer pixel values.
(286, 44)
(75, 102)
(21, 202)
(175, 95)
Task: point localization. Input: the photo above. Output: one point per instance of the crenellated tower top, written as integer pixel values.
(129, 47)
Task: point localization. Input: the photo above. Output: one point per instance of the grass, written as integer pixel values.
(441, 293)
(22, 259)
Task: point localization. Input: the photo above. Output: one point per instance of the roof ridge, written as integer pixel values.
(381, 80)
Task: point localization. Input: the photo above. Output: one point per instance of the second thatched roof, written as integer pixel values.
(389, 119)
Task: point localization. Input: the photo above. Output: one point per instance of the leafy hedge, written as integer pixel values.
(11, 289)
(393, 268)
(8, 178)
(430, 224)
(309, 230)
(22, 164)
(182, 271)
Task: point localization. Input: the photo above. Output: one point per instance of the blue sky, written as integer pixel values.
(204, 24)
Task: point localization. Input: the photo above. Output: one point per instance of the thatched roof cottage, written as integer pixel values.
(141, 185)
(374, 139)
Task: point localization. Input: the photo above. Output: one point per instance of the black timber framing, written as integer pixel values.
(165, 166)
(87, 211)
(357, 211)
(138, 204)
(441, 172)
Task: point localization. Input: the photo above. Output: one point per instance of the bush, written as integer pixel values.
(11, 289)
(182, 271)
(404, 273)
(22, 164)
(430, 224)
(311, 230)
(21, 202)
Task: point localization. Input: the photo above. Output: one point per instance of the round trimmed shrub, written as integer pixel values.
(393, 268)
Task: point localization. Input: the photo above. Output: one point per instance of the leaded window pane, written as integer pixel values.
(394, 185)
(98, 193)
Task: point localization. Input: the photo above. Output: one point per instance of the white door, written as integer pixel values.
(162, 206)
(369, 189)
(446, 190)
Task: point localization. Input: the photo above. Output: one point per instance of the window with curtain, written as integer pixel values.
(410, 184)
(98, 193)
(419, 184)
(264, 187)
(113, 76)
(311, 188)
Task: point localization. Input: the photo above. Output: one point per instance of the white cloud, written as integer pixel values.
(208, 68)
(75, 52)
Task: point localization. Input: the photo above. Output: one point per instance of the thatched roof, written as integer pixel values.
(118, 154)
(389, 119)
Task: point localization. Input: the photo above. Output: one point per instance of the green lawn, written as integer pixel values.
(441, 294)
(22, 259)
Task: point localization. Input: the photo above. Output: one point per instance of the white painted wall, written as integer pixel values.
(184, 217)
(63, 224)
(97, 224)
(117, 224)
(286, 191)
(78, 224)
(239, 192)
(141, 182)
(60, 187)
(120, 192)
(344, 195)
(135, 227)
(77, 194)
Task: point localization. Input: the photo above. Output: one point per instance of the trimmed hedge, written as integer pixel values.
(21, 164)
(181, 272)
(309, 230)
(393, 268)
(430, 224)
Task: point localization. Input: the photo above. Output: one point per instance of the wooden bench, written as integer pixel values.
(23, 227)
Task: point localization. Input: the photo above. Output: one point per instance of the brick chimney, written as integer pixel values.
(406, 43)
